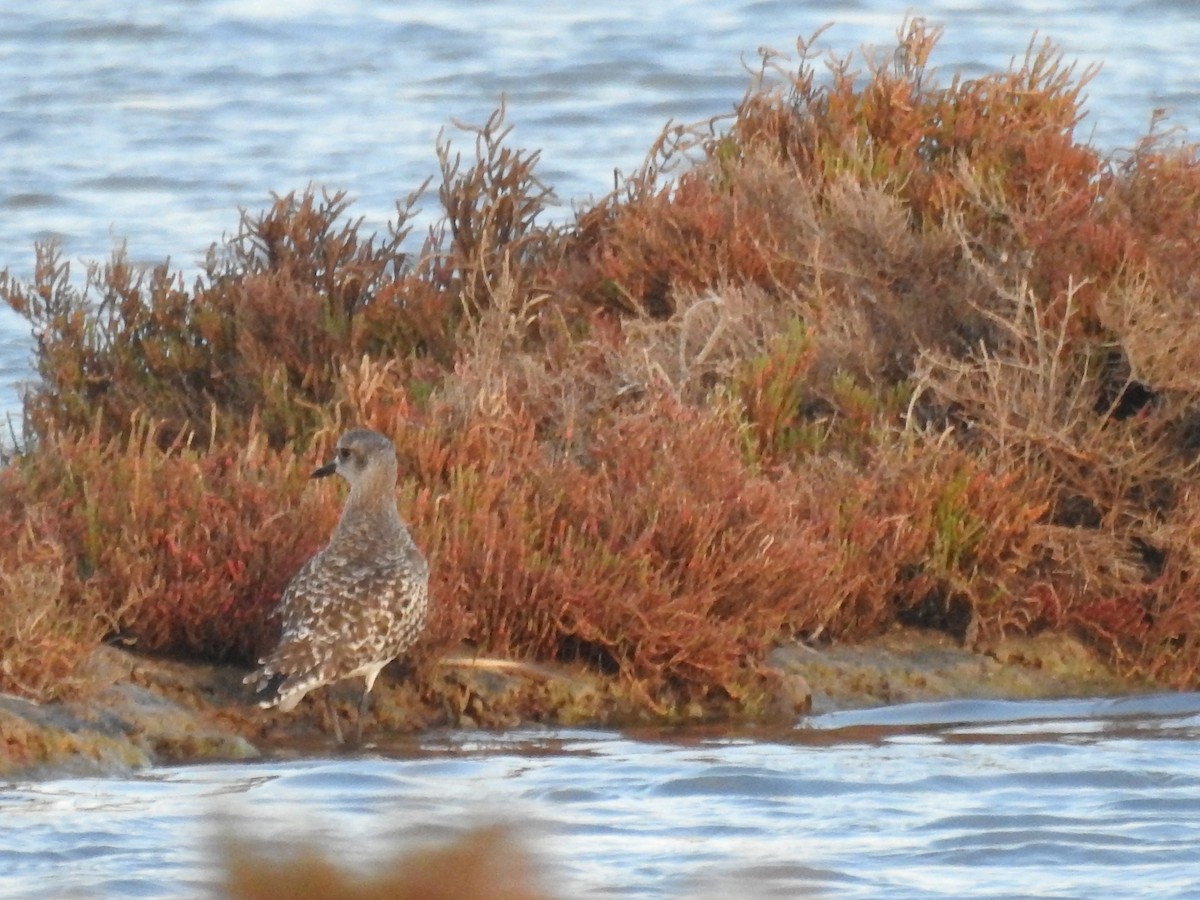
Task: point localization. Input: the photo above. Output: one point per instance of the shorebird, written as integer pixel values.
(361, 601)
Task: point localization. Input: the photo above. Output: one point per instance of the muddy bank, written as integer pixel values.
(140, 712)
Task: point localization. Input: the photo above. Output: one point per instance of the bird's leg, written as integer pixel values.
(362, 708)
(333, 716)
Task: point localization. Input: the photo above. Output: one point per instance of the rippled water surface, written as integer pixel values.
(152, 121)
(968, 799)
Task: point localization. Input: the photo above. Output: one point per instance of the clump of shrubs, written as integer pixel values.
(887, 350)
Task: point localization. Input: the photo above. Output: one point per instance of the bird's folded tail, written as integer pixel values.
(282, 689)
(266, 685)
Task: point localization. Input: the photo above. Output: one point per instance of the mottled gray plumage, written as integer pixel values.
(360, 602)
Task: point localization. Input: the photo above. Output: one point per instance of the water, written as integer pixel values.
(153, 121)
(955, 800)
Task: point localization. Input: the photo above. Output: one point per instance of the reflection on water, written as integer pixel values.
(966, 799)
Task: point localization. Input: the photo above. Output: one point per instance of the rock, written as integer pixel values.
(910, 665)
(114, 728)
(37, 739)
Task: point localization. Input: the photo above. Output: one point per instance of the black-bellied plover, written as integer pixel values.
(360, 602)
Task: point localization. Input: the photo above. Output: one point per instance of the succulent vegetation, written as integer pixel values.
(876, 348)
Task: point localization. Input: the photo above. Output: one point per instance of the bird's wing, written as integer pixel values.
(339, 613)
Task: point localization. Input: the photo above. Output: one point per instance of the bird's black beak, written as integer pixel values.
(328, 469)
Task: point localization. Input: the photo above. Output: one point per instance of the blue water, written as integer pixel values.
(940, 800)
(153, 121)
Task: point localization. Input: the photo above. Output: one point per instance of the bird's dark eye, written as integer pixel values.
(343, 454)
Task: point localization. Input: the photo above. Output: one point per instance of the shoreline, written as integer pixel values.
(139, 712)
